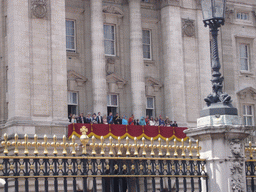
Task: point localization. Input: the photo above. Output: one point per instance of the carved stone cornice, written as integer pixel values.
(109, 9)
(39, 8)
(165, 3)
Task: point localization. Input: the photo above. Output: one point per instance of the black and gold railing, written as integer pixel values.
(250, 166)
(119, 165)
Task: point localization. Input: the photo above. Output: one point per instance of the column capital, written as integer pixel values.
(165, 3)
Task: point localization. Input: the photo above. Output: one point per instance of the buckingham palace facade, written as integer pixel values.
(128, 56)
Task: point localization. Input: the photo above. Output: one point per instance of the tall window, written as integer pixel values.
(146, 40)
(70, 35)
(248, 114)
(244, 57)
(109, 39)
(112, 103)
(72, 102)
(150, 106)
(242, 16)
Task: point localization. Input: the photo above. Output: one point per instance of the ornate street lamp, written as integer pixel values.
(217, 102)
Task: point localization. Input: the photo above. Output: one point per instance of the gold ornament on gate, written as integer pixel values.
(84, 138)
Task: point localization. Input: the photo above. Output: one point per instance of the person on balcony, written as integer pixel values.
(105, 121)
(147, 120)
(175, 124)
(131, 120)
(152, 121)
(142, 121)
(73, 120)
(94, 119)
(99, 118)
(110, 118)
(124, 121)
(88, 118)
(81, 118)
(156, 122)
(161, 121)
(117, 119)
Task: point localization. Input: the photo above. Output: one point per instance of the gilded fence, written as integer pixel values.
(119, 165)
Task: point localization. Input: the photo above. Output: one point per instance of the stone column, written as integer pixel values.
(19, 68)
(98, 58)
(136, 60)
(173, 61)
(222, 140)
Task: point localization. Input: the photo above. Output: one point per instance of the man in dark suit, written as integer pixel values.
(99, 119)
(81, 118)
(110, 118)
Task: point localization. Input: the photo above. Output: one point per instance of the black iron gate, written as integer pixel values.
(133, 167)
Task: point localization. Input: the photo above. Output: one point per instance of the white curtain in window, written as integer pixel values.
(109, 39)
(244, 57)
(70, 34)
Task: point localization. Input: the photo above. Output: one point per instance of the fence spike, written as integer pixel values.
(5, 143)
(135, 145)
(175, 147)
(93, 144)
(190, 148)
(111, 145)
(152, 146)
(127, 146)
(119, 145)
(102, 145)
(159, 146)
(73, 145)
(26, 144)
(55, 144)
(198, 148)
(35, 144)
(16, 143)
(64, 144)
(182, 147)
(45, 144)
(167, 147)
(143, 146)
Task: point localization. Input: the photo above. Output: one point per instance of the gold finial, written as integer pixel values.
(93, 144)
(111, 145)
(127, 146)
(5, 143)
(167, 147)
(143, 146)
(250, 149)
(55, 144)
(36, 144)
(102, 145)
(159, 146)
(16, 144)
(84, 138)
(26, 144)
(135, 145)
(190, 147)
(45, 144)
(198, 148)
(73, 145)
(152, 146)
(182, 147)
(64, 144)
(119, 145)
(175, 147)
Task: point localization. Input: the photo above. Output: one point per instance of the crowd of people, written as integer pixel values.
(117, 119)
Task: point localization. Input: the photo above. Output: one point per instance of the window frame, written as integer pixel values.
(69, 98)
(67, 49)
(148, 108)
(246, 115)
(109, 99)
(248, 56)
(150, 45)
(241, 15)
(110, 55)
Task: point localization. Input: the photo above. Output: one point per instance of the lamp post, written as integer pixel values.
(217, 102)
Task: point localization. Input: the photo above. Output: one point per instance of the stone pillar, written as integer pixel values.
(98, 58)
(37, 73)
(222, 140)
(136, 61)
(173, 61)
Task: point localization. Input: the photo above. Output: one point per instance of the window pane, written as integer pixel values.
(146, 51)
(109, 47)
(113, 99)
(249, 121)
(249, 110)
(146, 37)
(244, 120)
(108, 98)
(244, 109)
(244, 64)
(74, 95)
(109, 32)
(150, 103)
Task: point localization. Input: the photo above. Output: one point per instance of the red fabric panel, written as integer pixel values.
(179, 132)
(70, 129)
(100, 129)
(135, 130)
(118, 130)
(151, 131)
(166, 131)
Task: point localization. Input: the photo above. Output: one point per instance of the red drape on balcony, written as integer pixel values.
(131, 131)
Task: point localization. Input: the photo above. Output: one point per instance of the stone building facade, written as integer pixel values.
(126, 56)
